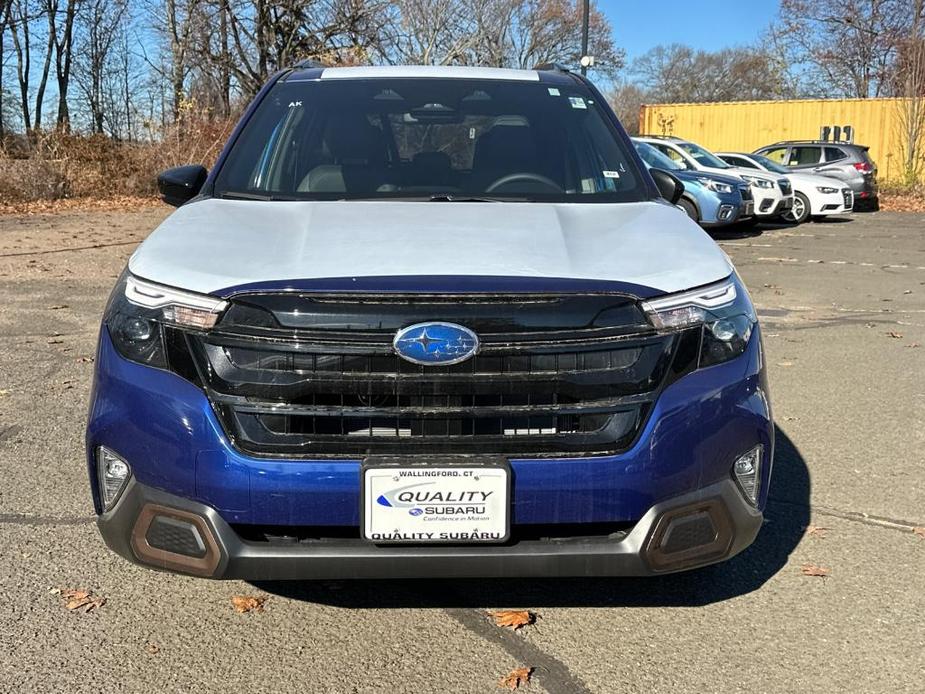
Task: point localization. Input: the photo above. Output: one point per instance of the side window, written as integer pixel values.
(777, 155)
(673, 155)
(803, 156)
(739, 161)
(834, 154)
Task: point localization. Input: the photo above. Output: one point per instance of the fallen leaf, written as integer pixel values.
(515, 678)
(816, 531)
(58, 307)
(813, 570)
(512, 618)
(920, 532)
(152, 648)
(81, 600)
(913, 345)
(84, 360)
(895, 335)
(247, 603)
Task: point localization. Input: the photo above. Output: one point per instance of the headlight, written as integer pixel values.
(715, 186)
(826, 190)
(724, 311)
(758, 182)
(138, 310)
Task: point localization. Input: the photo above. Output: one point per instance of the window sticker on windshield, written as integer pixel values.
(611, 174)
(553, 91)
(577, 102)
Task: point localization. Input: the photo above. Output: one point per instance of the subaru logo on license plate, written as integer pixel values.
(435, 343)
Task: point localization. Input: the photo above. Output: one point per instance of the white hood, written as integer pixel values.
(214, 245)
(755, 173)
(801, 180)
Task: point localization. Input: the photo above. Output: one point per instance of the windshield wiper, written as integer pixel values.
(448, 197)
(243, 195)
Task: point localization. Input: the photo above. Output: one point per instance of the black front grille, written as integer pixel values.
(849, 198)
(746, 192)
(785, 186)
(540, 385)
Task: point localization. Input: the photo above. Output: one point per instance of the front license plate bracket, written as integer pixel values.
(435, 500)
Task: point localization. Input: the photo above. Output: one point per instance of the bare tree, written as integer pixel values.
(98, 23)
(499, 33)
(61, 37)
(5, 18)
(910, 85)
(626, 100)
(267, 36)
(21, 16)
(549, 31)
(849, 46)
(433, 32)
(679, 73)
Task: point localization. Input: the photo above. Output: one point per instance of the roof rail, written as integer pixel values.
(557, 67)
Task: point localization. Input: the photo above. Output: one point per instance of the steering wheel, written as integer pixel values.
(524, 176)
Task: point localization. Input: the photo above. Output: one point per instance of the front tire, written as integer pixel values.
(800, 211)
(689, 209)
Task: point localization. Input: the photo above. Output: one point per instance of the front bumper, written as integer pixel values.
(695, 529)
(182, 460)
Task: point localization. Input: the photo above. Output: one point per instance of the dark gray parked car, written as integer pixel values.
(849, 162)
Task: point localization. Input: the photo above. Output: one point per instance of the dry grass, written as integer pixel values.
(902, 198)
(55, 166)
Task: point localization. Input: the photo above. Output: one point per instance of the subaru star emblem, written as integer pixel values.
(435, 343)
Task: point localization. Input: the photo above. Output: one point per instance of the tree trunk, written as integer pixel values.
(23, 52)
(224, 68)
(52, 11)
(63, 65)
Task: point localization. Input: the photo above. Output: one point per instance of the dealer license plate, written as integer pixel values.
(465, 502)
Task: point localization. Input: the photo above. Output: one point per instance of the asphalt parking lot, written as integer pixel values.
(843, 310)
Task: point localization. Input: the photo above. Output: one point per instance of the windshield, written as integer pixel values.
(430, 139)
(656, 159)
(703, 157)
(771, 166)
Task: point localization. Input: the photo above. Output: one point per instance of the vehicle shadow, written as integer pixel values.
(736, 231)
(787, 515)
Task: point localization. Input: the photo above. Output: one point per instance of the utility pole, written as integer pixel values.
(584, 37)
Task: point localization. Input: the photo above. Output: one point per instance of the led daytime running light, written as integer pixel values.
(183, 308)
(688, 308)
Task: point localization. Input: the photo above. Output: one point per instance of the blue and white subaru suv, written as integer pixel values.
(425, 321)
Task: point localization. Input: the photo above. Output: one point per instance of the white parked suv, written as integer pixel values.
(773, 194)
(814, 195)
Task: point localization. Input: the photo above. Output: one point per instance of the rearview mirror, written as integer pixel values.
(181, 184)
(668, 185)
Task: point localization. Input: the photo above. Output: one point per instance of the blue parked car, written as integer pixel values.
(428, 321)
(711, 200)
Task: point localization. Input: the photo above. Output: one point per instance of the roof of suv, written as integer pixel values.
(313, 71)
(830, 143)
(670, 138)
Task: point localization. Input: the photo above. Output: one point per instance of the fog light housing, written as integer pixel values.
(747, 473)
(113, 474)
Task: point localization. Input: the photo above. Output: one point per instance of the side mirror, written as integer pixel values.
(668, 185)
(181, 184)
